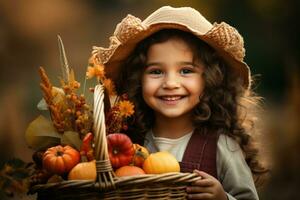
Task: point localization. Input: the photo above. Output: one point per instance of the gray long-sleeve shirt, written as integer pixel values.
(233, 171)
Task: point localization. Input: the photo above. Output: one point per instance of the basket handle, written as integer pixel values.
(105, 175)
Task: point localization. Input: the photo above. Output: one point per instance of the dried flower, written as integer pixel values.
(95, 69)
(109, 86)
(73, 84)
(99, 71)
(90, 72)
(126, 108)
(115, 116)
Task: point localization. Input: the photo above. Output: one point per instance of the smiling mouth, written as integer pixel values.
(171, 98)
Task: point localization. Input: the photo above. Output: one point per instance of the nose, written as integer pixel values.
(171, 81)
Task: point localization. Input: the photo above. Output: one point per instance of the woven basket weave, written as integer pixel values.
(107, 186)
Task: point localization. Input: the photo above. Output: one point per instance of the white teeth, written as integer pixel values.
(171, 98)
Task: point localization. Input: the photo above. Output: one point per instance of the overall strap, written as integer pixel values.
(201, 153)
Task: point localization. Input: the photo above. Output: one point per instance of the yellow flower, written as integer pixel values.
(126, 108)
(110, 87)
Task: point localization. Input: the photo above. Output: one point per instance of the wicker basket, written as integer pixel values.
(107, 186)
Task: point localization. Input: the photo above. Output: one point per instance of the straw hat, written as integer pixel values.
(131, 30)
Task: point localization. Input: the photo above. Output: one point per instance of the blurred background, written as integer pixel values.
(28, 39)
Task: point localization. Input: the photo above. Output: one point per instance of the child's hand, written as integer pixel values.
(206, 188)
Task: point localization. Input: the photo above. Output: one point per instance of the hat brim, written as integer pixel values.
(122, 51)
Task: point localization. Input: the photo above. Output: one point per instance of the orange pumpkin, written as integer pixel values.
(161, 162)
(84, 171)
(129, 171)
(60, 160)
(141, 153)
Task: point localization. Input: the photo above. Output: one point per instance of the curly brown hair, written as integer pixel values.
(225, 106)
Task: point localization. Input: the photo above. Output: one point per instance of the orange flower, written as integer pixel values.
(95, 69)
(90, 72)
(110, 87)
(126, 108)
(99, 71)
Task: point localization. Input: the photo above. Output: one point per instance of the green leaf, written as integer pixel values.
(71, 138)
(41, 134)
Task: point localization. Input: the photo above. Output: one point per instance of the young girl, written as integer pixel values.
(191, 91)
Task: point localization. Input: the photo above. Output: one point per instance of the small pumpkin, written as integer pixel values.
(83, 171)
(129, 170)
(140, 155)
(60, 160)
(120, 149)
(161, 162)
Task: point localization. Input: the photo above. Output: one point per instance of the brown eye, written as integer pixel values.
(155, 71)
(186, 71)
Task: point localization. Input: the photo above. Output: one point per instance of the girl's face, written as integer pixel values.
(172, 83)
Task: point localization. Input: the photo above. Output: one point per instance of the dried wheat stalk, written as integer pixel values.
(55, 113)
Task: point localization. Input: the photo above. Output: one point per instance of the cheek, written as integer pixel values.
(201, 88)
(196, 86)
(149, 85)
(148, 88)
